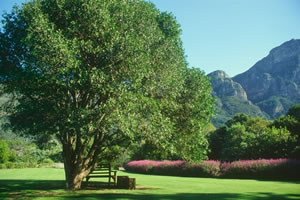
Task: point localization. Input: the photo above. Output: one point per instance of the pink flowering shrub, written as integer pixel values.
(142, 166)
(175, 168)
(258, 169)
(263, 168)
(208, 168)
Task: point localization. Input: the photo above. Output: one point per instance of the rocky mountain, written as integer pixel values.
(224, 86)
(231, 98)
(267, 89)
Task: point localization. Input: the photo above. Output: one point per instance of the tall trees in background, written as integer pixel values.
(245, 137)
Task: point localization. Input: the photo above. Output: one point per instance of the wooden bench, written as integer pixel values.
(103, 171)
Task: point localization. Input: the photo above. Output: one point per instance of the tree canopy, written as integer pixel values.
(245, 137)
(97, 74)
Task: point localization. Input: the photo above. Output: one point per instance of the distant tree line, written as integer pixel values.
(20, 152)
(244, 137)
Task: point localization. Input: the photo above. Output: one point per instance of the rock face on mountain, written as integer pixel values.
(273, 83)
(269, 88)
(231, 98)
(223, 85)
(278, 74)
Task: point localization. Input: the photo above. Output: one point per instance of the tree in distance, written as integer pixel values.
(96, 74)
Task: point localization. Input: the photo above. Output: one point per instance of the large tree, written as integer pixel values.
(95, 74)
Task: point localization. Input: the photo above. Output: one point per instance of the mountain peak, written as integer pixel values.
(273, 83)
(219, 73)
(223, 85)
(286, 50)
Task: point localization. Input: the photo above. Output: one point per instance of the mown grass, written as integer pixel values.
(48, 183)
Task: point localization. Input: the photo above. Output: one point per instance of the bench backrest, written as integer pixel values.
(102, 168)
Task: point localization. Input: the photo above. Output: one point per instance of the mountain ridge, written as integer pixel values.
(268, 89)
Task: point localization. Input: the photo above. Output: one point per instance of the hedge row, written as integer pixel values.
(258, 169)
(32, 164)
(17, 165)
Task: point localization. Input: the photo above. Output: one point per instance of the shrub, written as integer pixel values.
(208, 168)
(256, 169)
(262, 169)
(4, 151)
(20, 165)
(12, 157)
(47, 161)
(175, 168)
(2, 166)
(10, 165)
(141, 166)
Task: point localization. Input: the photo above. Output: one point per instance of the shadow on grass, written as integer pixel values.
(19, 188)
(31, 189)
(188, 196)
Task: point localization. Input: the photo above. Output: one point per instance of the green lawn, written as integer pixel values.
(47, 183)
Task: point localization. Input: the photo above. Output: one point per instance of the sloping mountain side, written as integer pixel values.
(273, 83)
(268, 89)
(231, 98)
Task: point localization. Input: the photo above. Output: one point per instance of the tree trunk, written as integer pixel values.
(74, 181)
(74, 174)
(76, 166)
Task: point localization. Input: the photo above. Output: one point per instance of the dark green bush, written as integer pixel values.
(10, 165)
(2, 166)
(20, 165)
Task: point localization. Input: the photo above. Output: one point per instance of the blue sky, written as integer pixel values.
(229, 35)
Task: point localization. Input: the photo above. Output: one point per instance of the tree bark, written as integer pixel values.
(76, 166)
(74, 173)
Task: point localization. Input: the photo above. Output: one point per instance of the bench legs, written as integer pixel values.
(114, 179)
(109, 179)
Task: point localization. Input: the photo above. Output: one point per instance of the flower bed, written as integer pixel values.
(262, 169)
(258, 169)
(175, 168)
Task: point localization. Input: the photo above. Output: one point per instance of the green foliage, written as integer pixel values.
(294, 112)
(21, 152)
(216, 142)
(26, 151)
(196, 107)
(12, 156)
(288, 122)
(190, 114)
(17, 165)
(275, 103)
(228, 106)
(292, 123)
(241, 118)
(238, 143)
(4, 152)
(245, 137)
